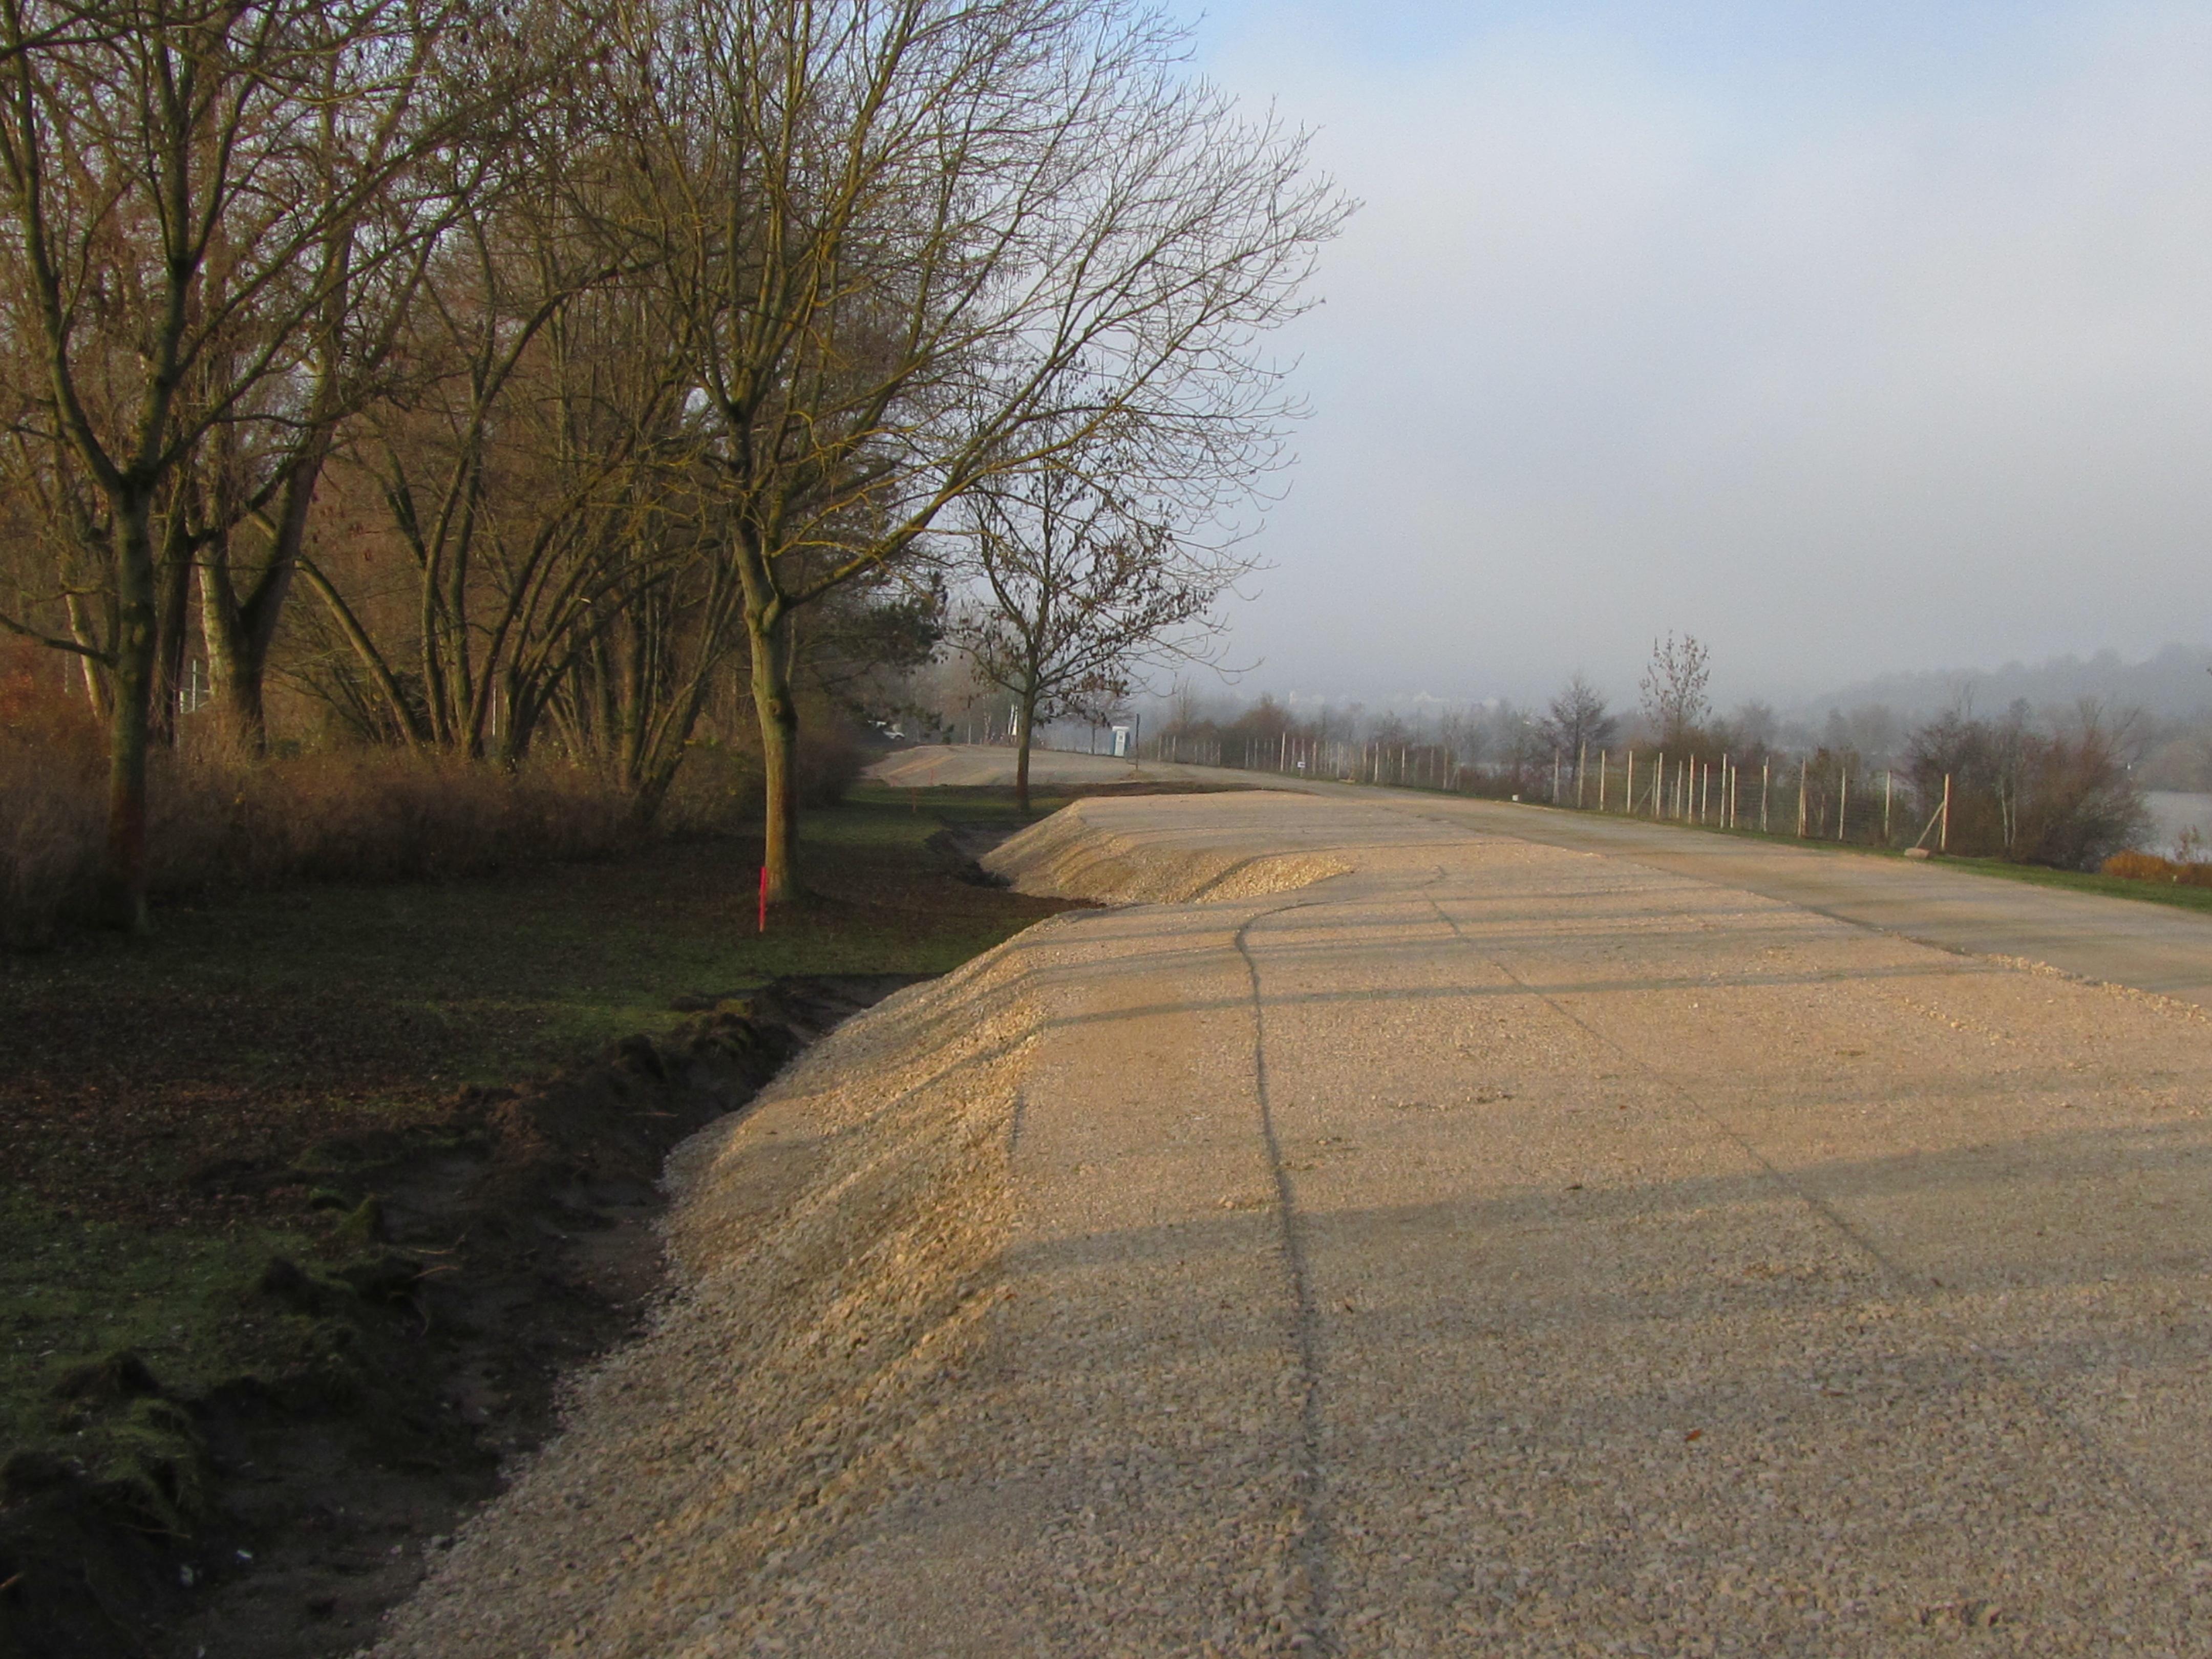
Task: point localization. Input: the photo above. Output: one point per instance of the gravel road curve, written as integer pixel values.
(1391, 1236)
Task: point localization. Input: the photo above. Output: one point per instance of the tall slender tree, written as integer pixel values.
(1673, 687)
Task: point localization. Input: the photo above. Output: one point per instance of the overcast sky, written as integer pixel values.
(1846, 337)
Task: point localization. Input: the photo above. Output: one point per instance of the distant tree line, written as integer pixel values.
(2063, 788)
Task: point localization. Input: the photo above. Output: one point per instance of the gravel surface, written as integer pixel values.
(1487, 1248)
(2125, 941)
(933, 765)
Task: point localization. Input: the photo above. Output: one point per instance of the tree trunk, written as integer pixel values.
(662, 744)
(1022, 754)
(173, 580)
(404, 720)
(241, 631)
(122, 882)
(99, 681)
(767, 631)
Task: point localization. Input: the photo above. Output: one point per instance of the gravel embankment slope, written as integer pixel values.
(1492, 1248)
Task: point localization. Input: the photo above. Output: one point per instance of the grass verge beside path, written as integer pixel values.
(255, 1028)
(2077, 881)
(2085, 881)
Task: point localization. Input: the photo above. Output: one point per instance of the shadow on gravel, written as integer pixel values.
(485, 1255)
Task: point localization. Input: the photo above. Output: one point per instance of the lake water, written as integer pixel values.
(2170, 812)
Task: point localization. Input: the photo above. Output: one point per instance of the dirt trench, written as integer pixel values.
(479, 1259)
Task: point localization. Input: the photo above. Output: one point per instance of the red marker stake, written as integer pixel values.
(763, 904)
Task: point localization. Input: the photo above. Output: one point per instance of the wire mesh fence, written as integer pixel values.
(1824, 796)
(1814, 798)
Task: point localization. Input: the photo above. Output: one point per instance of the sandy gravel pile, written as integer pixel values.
(836, 1246)
(1489, 1248)
(1209, 854)
(931, 766)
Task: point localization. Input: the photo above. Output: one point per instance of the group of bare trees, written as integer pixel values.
(526, 371)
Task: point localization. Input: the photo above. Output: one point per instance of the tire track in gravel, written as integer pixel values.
(1310, 1531)
(2113, 1468)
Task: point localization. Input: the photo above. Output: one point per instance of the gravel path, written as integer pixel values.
(1427, 1241)
(935, 765)
(2152, 947)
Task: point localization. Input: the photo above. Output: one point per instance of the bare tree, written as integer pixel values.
(921, 242)
(1078, 592)
(1673, 687)
(172, 179)
(1578, 719)
(251, 487)
(563, 406)
(542, 477)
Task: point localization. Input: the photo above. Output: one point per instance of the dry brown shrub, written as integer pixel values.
(221, 818)
(2149, 867)
(828, 762)
(2141, 866)
(52, 810)
(377, 815)
(718, 788)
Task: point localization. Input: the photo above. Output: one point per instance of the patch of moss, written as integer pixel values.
(151, 1455)
(107, 1326)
